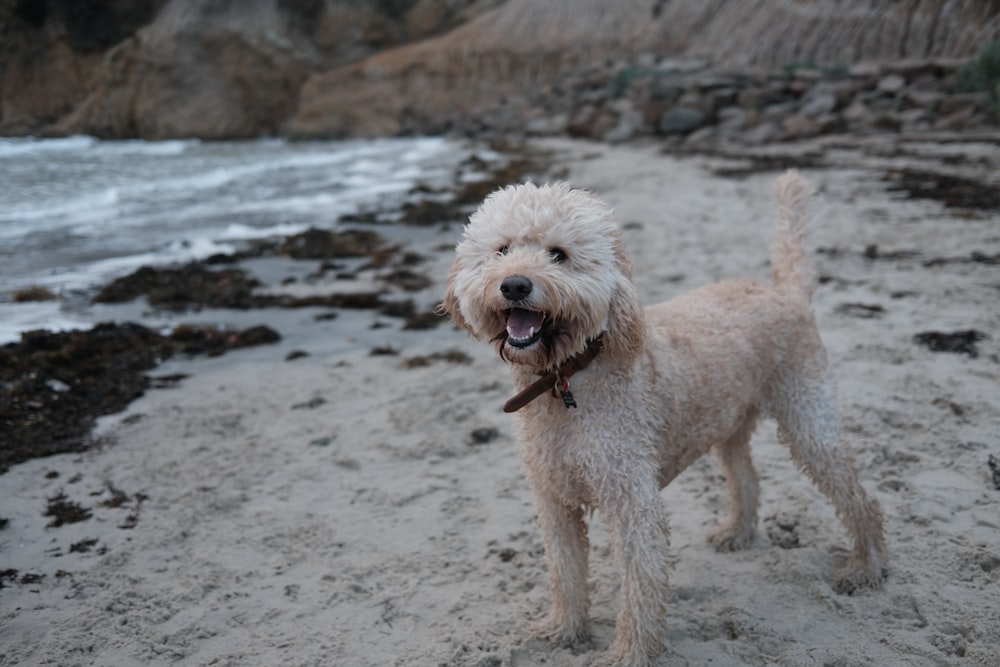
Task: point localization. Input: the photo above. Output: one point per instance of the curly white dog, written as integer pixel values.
(615, 400)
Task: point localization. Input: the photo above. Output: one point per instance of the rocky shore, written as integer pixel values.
(693, 105)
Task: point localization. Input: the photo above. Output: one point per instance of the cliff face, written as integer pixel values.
(50, 52)
(432, 84)
(773, 33)
(331, 68)
(179, 68)
(201, 70)
(233, 68)
(531, 45)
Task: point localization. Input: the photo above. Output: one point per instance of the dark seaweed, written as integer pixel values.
(960, 342)
(53, 386)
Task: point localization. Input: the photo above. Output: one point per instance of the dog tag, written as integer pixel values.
(562, 387)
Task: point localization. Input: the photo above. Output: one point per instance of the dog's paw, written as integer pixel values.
(606, 659)
(731, 538)
(858, 575)
(613, 658)
(561, 632)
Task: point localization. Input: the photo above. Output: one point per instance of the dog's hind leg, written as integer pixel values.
(809, 425)
(744, 491)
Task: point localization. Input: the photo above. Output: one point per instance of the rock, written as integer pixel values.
(625, 129)
(892, 83)
(590, 123)
(650, 110)
(865, 69)
(732, 118)
(629, 122)
(956, 119)
(818, 105)
(680, 120)
(925, 99)
(798, 126)
(830, 123)
(778, 112)
(855, 112)
(667, 89)
(718, 98)
(762, 133)
(886, 121)
(877, 100)
(915, 120)
(546, 125)
(760, 96)
(959, 102)
(702, 138)
(805, 77)
(580, 121)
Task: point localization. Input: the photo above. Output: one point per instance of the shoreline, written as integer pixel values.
(351, 508)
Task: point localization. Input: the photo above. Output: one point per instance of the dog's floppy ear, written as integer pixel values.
(449, 306)
(625, 335)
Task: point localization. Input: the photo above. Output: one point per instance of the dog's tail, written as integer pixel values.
(788, 255)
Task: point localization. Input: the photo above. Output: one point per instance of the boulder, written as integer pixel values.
(892, 83)
(681, 120)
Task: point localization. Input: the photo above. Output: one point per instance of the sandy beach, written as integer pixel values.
(359, 509)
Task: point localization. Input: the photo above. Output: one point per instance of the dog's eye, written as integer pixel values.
(504, 249)
(558, 255)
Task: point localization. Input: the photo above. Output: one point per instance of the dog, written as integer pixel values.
(615, 400)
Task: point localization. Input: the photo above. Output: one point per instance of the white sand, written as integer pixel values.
(367, 530)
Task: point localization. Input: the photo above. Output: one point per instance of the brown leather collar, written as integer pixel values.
(553, 379)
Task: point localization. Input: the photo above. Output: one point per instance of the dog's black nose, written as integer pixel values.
(515, 288)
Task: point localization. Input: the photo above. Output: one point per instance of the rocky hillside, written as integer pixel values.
(758, 70)
(215, 69)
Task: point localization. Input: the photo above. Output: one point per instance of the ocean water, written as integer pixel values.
(76, 212)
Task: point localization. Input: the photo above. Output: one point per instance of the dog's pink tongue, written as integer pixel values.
(524, 323)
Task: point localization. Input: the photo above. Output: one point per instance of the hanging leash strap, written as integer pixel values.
(556, 381)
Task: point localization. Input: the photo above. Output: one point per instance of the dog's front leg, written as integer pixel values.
(637, 522)
(564, 532)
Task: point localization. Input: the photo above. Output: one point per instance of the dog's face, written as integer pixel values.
(539, 272)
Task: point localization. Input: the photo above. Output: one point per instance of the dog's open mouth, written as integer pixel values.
(524, 327)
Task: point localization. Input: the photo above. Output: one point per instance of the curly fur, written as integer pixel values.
(673, 381)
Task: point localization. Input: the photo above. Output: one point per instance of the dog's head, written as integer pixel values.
(540, 271)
